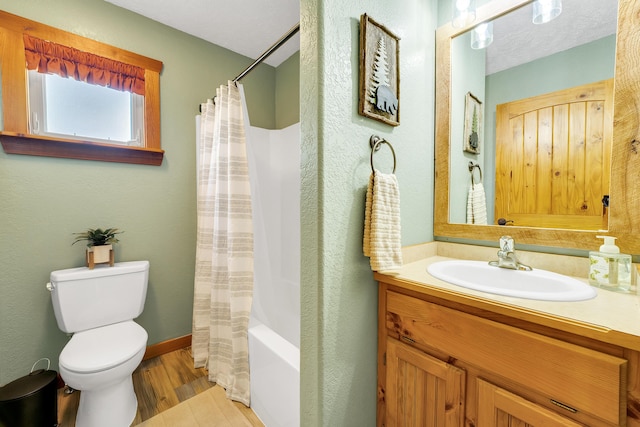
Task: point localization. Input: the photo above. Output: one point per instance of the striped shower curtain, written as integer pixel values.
(223, 284)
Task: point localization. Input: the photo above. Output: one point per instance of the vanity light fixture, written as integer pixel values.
(464, 13)
(546, 10)
(482, 35)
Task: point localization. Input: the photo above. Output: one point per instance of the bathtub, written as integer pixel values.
(275, 377)
(274, 325)
(274, 352)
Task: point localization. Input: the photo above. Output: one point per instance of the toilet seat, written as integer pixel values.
(103, 348)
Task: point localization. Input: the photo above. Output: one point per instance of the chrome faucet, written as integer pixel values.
(507, 256)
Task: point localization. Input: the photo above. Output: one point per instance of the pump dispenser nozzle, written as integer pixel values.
(609, 246)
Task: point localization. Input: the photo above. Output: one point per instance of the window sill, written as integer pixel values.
(32, 145)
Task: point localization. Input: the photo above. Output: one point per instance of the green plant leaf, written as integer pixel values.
(98, 236)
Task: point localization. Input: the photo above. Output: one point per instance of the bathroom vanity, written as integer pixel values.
(450, 356)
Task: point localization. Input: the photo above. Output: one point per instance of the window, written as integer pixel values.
(53, 112)
(67, 108)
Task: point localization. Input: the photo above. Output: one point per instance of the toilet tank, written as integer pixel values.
(86, 299)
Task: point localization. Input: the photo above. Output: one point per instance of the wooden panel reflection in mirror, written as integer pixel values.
(553, 158)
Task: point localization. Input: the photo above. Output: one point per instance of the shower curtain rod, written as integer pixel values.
(266, 53)
(269, 51)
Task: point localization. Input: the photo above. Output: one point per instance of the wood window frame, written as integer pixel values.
(16, 138)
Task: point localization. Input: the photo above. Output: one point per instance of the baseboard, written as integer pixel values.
(167, 346)
(156, 350)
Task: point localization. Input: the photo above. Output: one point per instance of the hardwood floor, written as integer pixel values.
(162, 383)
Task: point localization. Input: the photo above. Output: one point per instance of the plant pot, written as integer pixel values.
(100, 255)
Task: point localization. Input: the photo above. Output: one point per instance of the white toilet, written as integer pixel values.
(98, 306)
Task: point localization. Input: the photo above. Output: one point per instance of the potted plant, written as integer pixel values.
(99, 245)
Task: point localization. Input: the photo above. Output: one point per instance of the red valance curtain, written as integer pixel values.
(52, 58)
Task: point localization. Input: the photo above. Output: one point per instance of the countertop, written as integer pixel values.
(609, 317)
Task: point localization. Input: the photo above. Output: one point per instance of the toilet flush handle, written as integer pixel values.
(50, 287)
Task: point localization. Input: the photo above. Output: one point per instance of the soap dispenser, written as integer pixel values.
(609, 269)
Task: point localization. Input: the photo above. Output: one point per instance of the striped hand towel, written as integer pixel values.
(382, 239)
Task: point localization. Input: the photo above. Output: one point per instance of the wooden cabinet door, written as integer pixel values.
(422, 390)
(553, 155)
(500, 408)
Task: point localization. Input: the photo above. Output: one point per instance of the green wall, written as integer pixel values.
(45, 200)
(339, 295)
(288, 92)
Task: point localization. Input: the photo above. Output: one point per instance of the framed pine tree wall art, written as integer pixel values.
(379, 90)
(473, 120)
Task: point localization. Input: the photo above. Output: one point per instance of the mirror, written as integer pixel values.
(525, 64)
(452, 173)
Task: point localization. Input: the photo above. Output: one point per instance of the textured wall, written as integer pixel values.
(45, 200)
(339, 296)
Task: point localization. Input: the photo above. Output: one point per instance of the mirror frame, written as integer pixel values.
(624, 213)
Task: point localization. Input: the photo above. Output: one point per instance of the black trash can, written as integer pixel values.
(30, 401)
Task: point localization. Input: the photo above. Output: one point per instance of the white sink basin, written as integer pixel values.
(536, 284)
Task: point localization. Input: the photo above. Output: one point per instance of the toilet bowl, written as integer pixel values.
(99, 362)
(99, 306)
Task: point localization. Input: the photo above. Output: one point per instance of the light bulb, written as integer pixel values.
(464, 13)
(462, 4)
(482, 35)
(546, 10)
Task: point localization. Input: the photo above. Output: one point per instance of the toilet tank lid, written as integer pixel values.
(103, 270)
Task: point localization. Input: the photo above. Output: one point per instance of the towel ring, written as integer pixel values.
(375, 142)
(472, 166)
